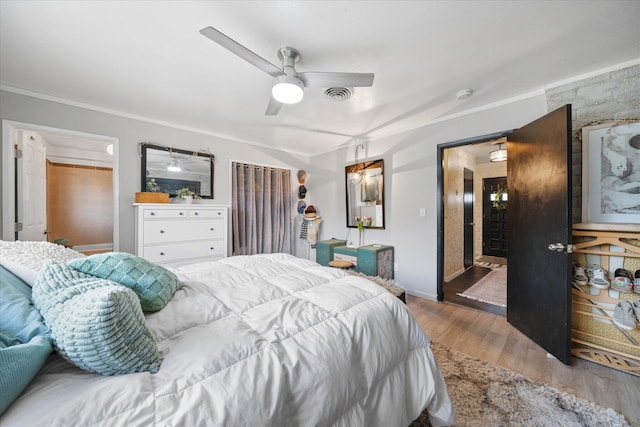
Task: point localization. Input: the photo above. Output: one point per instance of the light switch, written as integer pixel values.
(423, 212)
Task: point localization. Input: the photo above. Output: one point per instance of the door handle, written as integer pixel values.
(559, 247)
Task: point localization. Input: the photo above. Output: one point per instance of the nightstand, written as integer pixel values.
(372, 260)
(324, 250)
(376, 260)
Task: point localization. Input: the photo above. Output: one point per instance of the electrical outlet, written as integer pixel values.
(395, 266)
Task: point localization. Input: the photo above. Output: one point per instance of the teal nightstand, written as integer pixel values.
(376, 260)
(324, 250)
(372, 260)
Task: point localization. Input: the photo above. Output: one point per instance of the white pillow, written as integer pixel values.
(25, 259)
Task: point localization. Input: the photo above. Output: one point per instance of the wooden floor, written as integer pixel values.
(489, 337)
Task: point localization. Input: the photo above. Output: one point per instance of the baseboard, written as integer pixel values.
(453, 275)
(423, 295)
(94, 247)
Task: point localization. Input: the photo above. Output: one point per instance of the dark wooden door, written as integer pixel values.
(539, 279)
(468, 218)
(494, 220)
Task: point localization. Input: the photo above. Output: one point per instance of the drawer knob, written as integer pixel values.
(195, 213)
(161, 231)
(152, 213)
(181, 213)
(213, 229)
(212, 249)
(162, 253)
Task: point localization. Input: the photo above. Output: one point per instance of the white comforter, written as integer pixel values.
(263, 340)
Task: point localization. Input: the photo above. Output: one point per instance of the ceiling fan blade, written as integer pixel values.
(244, 53)
(273, 108)
(320, 79)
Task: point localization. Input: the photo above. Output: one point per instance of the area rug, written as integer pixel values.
(491, 289)
(486, 395)
(388, 284)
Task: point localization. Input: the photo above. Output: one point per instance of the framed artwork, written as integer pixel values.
(611, 173)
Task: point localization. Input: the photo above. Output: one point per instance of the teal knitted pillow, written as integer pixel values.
(154, 285)
(24, 338)
(95, 324)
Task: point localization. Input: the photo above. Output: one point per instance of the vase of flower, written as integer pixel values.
(362, 222)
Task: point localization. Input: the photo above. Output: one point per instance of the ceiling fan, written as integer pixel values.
(288, 87)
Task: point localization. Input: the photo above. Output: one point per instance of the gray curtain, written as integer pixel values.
(261, 209)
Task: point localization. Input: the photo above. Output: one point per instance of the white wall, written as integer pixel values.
(410, 173)
(130, 132)
(409, 161)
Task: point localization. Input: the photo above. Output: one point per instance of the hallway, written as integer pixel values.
(465, 281)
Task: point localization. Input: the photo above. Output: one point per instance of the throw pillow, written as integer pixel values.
(154, 285)
(24, 338)
(95, 324)
(25, 259)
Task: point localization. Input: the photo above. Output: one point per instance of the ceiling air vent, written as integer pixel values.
(338, 93)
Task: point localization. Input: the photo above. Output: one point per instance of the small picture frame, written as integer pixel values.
(611, 173)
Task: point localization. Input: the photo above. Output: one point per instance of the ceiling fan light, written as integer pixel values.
(288, 90)
(173, 166)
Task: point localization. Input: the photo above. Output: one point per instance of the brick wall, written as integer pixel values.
(606, 97)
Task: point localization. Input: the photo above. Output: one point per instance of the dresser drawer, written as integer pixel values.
(165, 231)
(178, 251)
(206, 213)
(179, 234)
(164, 213)
(343, 257)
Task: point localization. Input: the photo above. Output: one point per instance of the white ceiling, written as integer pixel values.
(147, 59)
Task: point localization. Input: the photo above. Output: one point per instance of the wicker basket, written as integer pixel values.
(149, 197)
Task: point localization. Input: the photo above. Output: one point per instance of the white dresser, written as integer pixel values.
(175, 234)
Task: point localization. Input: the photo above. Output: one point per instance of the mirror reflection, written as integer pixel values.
(167, 170)
(365, 194)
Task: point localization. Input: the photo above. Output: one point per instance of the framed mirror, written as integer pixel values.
(167, 170)
(365, 194)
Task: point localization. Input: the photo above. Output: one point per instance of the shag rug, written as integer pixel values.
(388, 284)
(486, 395)
(491, 289)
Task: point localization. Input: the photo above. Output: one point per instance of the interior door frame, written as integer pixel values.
(440, 195)
(9, 207)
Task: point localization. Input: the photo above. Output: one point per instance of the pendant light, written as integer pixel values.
(499, 155)
(357, 172)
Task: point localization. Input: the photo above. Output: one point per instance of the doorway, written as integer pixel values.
(466, 168)
(539, 229)
(69, 151)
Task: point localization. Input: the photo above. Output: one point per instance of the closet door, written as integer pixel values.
(539, 277)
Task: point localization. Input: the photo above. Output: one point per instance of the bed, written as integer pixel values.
(261, 340)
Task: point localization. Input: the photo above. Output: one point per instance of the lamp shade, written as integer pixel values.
(288, 90)
(499, 155)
